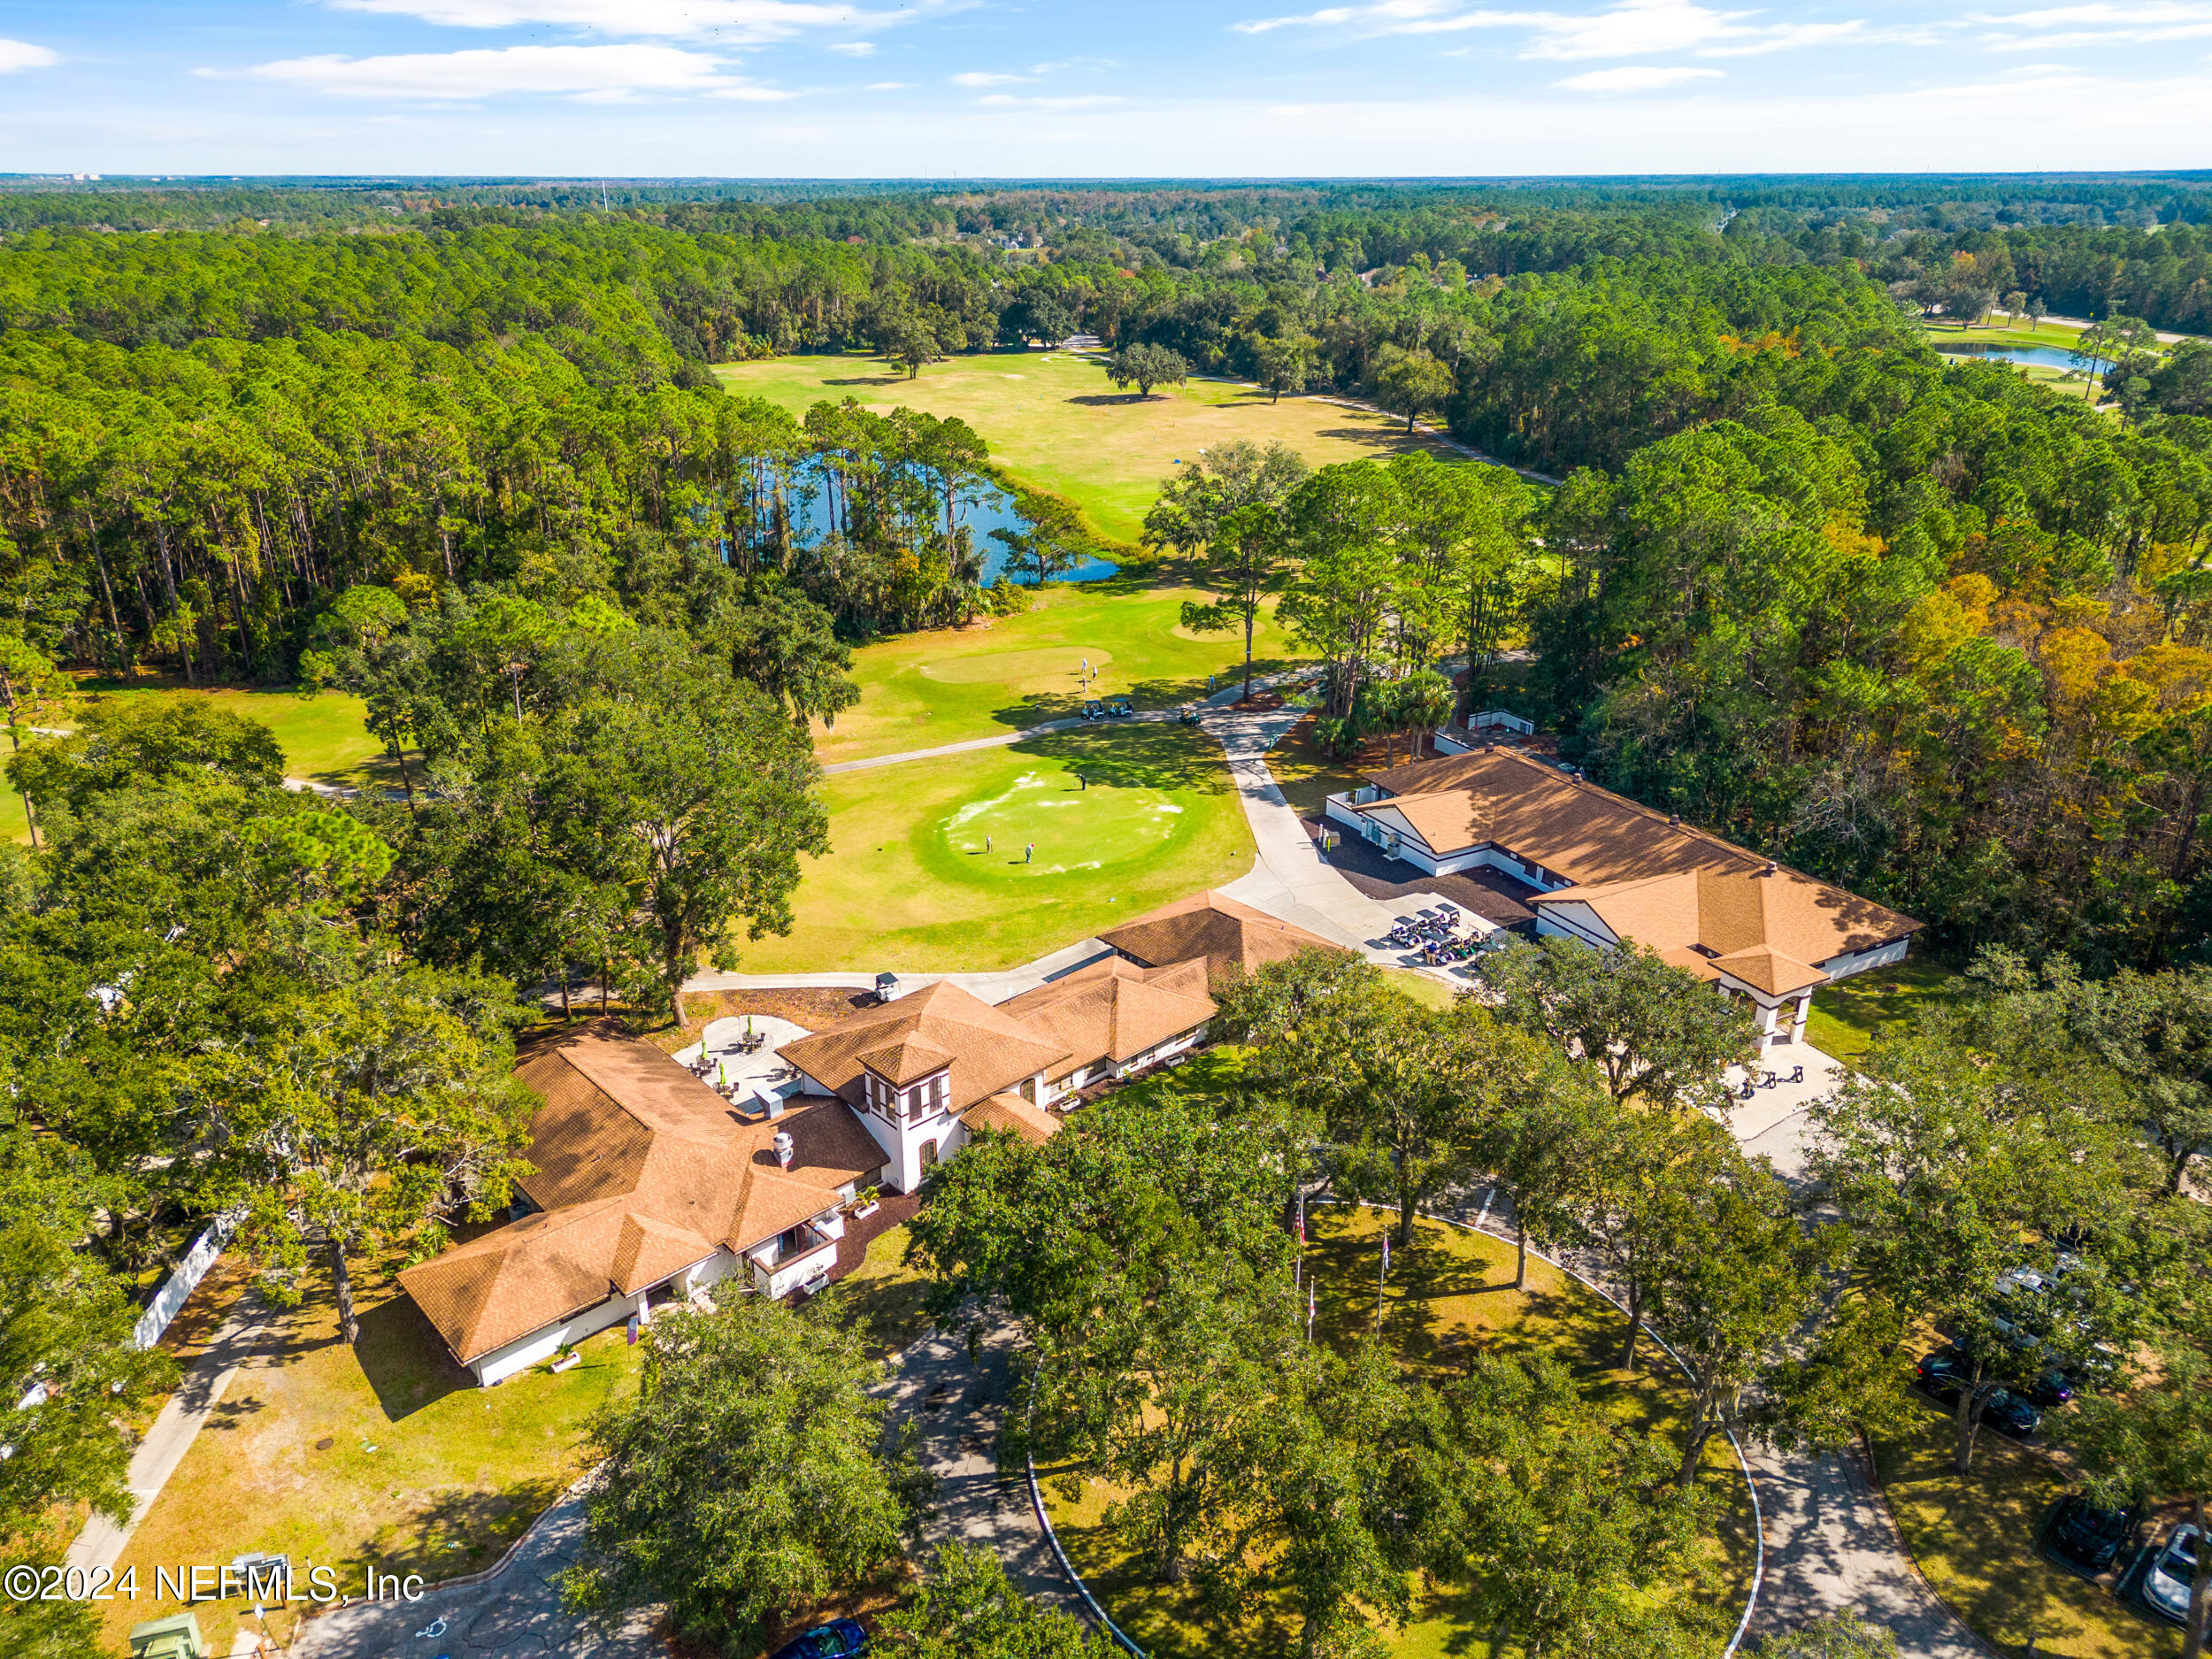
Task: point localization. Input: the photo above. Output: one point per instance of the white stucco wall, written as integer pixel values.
(1880, 957)
(544, 1343)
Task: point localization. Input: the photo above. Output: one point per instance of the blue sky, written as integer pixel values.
(1088, 88)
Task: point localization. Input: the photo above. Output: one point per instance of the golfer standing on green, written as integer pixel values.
(1029, 852)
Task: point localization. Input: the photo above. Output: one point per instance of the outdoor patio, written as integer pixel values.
(738, 1057)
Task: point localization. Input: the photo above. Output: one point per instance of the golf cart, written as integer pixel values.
(1093, 710)
(1189, 714)
(1120, 708)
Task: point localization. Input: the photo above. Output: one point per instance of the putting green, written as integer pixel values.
(907, 887)
(1048, 822)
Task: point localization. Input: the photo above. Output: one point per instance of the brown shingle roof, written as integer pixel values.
(1768, 927)
(1576, 830)
(989, 1050)
(1033, 1124)
(640, 1171)
(1231, 936)
(1667, 881)
(1113, 1010)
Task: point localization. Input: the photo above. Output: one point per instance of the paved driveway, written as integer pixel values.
(511, 1612)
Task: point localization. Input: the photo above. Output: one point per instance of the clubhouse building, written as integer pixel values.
(646, 1185)
(1592, 865)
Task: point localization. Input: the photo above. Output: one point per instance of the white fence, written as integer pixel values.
(205, 1251)
(1490, 719)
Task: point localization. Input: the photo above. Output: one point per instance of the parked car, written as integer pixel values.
(838, 1639)
(2089, 1536)
(1093, 710)
(1941, 1375)
(2052, 1390)
(1119, 707)
(2166, 1585)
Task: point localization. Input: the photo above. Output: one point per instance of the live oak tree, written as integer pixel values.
(1141, 1252)
(1562, 1524)
(1740, 1279)
(1552, 1124)
(1654, 1031)
(1284, 363)
(1954, 1167)
(1412, 383)
(2155, 1442)
(1146, 366)
(690, 790)
(1052, 540)
(748, 1477)
(1637, 1209)
(2152, 1029)
(966, 1608)
(127, 743)
(365, 1101)
(1401, 1088)
(76, 1375)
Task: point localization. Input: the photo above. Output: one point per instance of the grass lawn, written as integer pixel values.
(1847, 1015)
(908, 884)
(1452, 1288)
(888, 1295)
(1056, 423)
(385, 1452)
(1975, 1540)
(1427, 992)
(919, 690)
(390, 1454)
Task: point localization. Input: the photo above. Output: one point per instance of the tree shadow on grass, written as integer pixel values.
(405, 1361)
(455, 1533)
(1110, 400)
(1375, 437)
(869, 380)
(1131, 755)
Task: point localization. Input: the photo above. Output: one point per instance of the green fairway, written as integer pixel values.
(1054, 422)
(322, 737)
(919, 690)
(908, 886)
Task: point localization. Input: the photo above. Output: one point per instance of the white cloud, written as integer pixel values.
(597, 72)
(854, 49)
(1636, 78)
(733, 22)
(1006, 101)
(1634, 28)
(984, 77)
(16, 55)
(889, 86)
(2056, 27)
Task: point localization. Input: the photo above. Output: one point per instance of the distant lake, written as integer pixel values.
(2048, 356)
(994, 512)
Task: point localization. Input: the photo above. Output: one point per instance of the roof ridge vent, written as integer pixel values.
(1771, 869)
